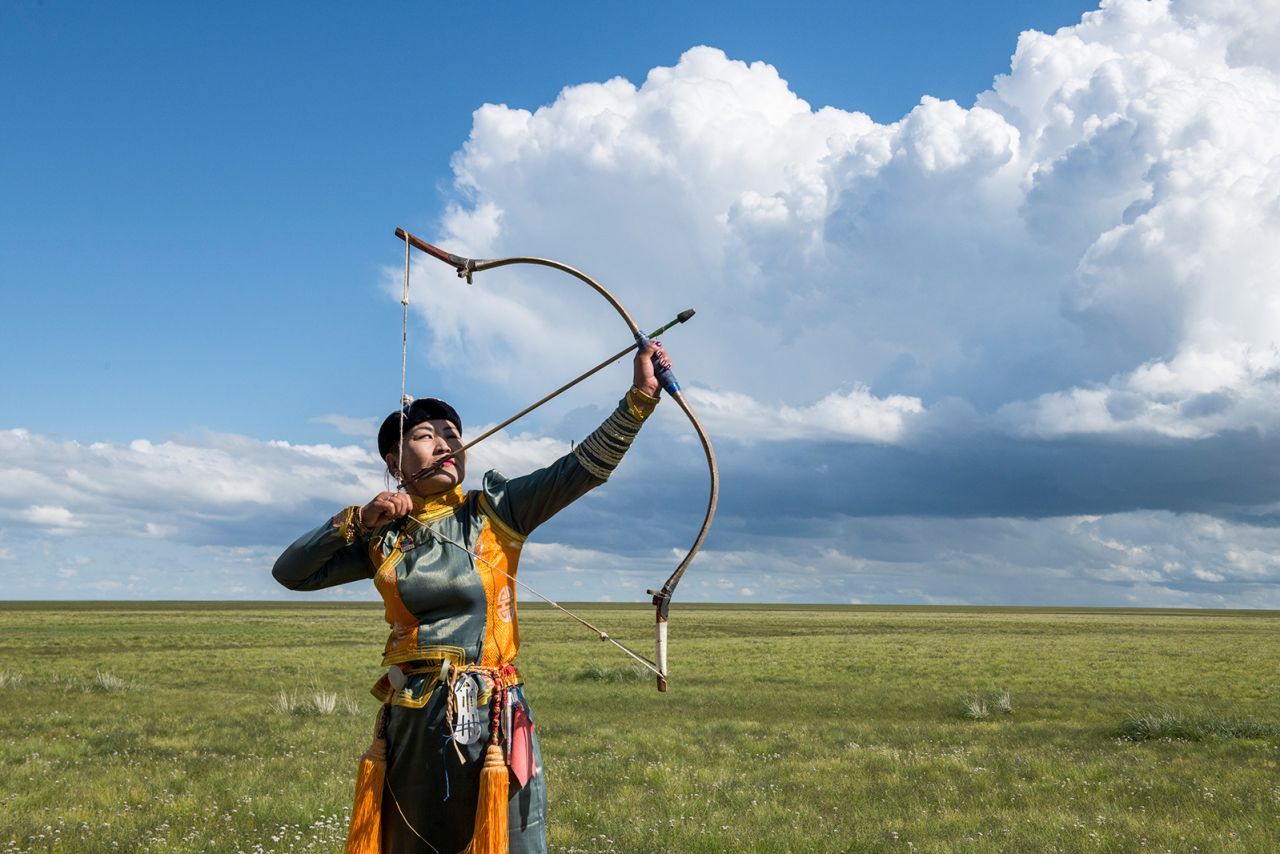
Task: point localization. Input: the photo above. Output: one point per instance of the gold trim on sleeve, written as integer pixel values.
(349, 525)
(639, 404)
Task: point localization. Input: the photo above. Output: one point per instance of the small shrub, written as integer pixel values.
(62, 682)
(107, 681)
(1003, 703)
(324, 702)
(979, 707)
(319, 702)
(975, 709)
(286, 703)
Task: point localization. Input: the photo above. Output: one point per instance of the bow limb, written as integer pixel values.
(662, 598)
(466, 269)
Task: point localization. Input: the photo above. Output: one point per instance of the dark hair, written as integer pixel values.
(422, 409)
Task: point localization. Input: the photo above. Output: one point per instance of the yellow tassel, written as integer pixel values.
(364, 835)
(491, 813)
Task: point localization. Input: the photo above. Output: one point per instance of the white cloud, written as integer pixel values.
(854, 416)
(562, 557)
(512, 455)
(1144, 558)
(208, 486)
(49, 516)
(348, 426)
(193, 480)
(1089, 248)
(1195, 395)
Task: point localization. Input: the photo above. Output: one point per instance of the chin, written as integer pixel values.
(437, 486)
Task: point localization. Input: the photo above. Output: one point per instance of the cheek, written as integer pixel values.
(413, 454)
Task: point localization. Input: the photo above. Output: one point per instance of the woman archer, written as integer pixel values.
(463, 770)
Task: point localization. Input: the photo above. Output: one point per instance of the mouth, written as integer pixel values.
(428, 470)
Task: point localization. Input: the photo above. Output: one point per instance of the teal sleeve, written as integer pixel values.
(322, 558)
(524, 503)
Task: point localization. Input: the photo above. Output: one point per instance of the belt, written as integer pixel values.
(411, 684)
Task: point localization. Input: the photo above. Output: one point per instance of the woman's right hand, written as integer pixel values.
(385, 508)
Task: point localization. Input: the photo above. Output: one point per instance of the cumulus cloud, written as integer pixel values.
(1056, 300)
(1088, 248)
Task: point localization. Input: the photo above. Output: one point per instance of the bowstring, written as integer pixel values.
(404, 356)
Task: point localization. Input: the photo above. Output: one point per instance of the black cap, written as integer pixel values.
(422, 409)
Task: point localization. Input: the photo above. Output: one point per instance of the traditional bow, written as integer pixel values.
(466, 269)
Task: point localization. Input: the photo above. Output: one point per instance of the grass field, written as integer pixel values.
(214, 726)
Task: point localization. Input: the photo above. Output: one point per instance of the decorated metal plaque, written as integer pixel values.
(468, 722)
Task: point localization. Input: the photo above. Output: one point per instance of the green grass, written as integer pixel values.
(216, 726)
(1150, 726)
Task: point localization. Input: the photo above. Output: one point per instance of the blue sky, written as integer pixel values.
(973, 327)
(184, 179)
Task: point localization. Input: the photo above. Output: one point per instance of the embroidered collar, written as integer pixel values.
(426, 509)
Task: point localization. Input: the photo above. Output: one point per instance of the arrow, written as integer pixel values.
(423, 472)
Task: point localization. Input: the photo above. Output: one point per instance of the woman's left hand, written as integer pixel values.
(642, 374)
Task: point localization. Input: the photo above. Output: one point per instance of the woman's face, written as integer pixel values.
(424, 444)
